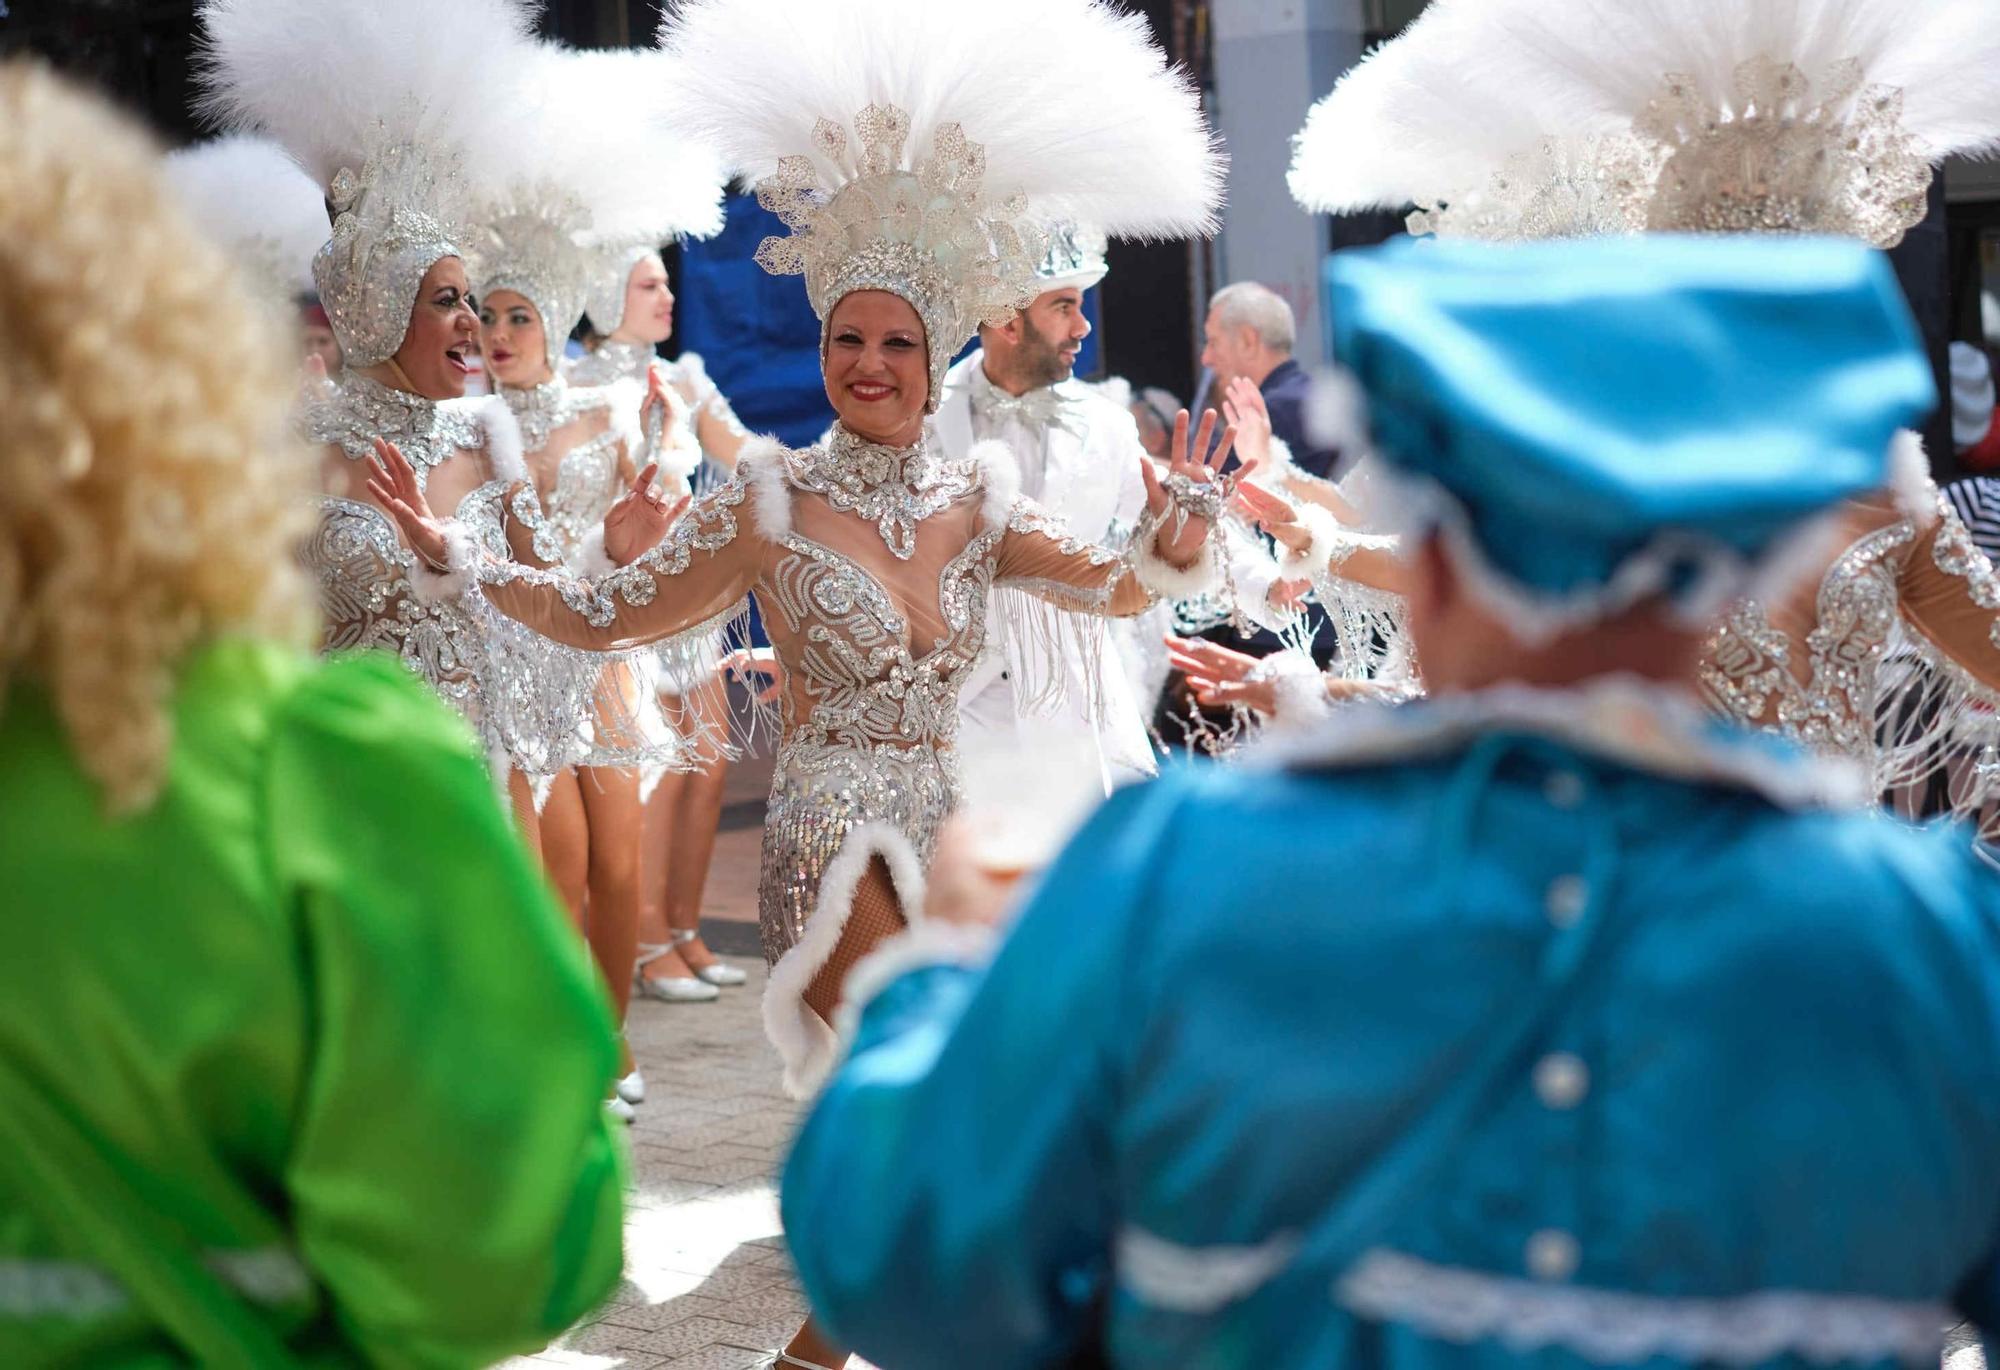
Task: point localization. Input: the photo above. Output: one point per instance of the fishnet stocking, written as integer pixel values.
(876, 914)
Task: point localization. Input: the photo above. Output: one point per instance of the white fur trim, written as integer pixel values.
(460, 552)
(1167, 581)
(593, 559)
(1281, 463)
(1315, 558)
(969, 945)
(761, 468)
(626, 398)
(1910, 477)
(805, 1042)
(1000, 473)
(1655, 728)
(1300, 688)
(1416, 506)
(504, 447)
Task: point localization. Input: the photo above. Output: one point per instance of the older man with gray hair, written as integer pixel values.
(1249, 335)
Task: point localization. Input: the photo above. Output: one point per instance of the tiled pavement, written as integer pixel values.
(707, 1285)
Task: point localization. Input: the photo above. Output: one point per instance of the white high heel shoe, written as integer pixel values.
(714, 973)
(620, 1110)
(673, 989)
(632, 1089)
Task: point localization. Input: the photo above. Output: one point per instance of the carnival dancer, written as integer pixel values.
(1519, 965)
(1512, 125)
(695, 434)
(533, 255)
(376, 102)
(299, 1063)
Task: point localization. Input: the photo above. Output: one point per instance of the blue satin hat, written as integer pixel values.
(1617, 417)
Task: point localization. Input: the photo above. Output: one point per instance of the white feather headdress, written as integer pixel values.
(920, 146)
(251, 198)
(1514, 118)
(380, 101)
(593, 162)
(676, 191)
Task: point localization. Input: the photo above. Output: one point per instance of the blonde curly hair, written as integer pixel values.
(150, 497)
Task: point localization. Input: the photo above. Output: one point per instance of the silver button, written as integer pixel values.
(1564, 789)
(1561, 1080)
(1552, 1254)
(1567, 895)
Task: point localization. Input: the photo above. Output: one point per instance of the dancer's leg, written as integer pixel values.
(876, 914)
(521, 793)
(566, 843)
(615, 820)
(697, 818)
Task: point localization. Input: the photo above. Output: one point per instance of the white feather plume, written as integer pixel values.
(332, 80)
(1595, 65)
(1076, 108)
(1341, 163)
(253, 200)
(640, 178)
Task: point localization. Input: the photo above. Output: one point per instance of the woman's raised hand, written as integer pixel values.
(1191, 466)
(392, 482)
(1243, 405)
(1275, 516)
(635, 524)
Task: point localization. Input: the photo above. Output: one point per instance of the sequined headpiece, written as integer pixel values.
(534, 248)
(922, 232)
(924, 148)
(1779, 156)
(1075, 258)
(604, 293)
(389, 228)
(371, 98)
(1696, 116)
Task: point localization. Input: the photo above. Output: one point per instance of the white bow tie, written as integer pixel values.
(1042, 408)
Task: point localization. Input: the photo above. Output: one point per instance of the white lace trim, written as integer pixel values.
(80, 1292)
(1196, 1279)
(1611, 1327)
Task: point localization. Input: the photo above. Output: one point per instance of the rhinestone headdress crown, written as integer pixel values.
(1782, 157)
(391, 224)
(1560, 188)
(926, 233)
(533, 247)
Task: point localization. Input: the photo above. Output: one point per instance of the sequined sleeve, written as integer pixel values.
(722, 434)
(1950, 594)
(698, 576)
(1039, 555)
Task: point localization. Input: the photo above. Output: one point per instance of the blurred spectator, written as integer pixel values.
(316, 334)
(300, 1063)
(1975, 436)
(1153, 409)
(1250, 332)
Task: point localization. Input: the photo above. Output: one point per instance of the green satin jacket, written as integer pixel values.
(303, 1065)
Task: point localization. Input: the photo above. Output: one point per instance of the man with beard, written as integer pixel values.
(1049, 675)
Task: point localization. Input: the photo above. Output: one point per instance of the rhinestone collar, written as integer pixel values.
(541, 409)
(355, 410)
(895, 488)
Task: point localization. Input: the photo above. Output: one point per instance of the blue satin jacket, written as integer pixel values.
(1524, 1028)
